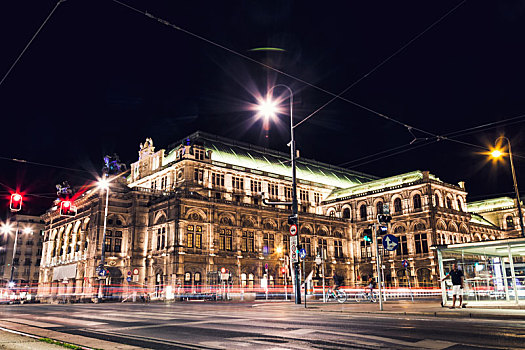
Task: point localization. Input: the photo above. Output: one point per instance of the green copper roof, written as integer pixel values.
(490, 204)
(478, 219)
(266, 160)
(379, 184)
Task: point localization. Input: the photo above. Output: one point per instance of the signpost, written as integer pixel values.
(390, 242)
(404, 263)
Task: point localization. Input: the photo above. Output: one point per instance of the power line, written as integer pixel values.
(43, 164)
(381, 64)
(30, 41)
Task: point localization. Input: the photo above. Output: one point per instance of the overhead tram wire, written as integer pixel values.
(30, 41)
(381, 63)
(43, 164)
(384, 116)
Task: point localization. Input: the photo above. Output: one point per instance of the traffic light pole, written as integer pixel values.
(13, 256)
(378, 265)
(103, 253)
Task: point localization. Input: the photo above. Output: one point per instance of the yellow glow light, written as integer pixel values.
(279, 250)
(496, 153)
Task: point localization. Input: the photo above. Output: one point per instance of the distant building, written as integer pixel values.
(186, 212)
(28, 254)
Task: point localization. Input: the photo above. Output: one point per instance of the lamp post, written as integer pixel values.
(103, 184)
(497, 154)
(268, 108)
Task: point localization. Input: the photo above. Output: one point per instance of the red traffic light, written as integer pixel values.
(223, 270)
(67, 209)
(15, 204)
(283, 270)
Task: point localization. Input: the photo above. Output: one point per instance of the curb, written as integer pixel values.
(39, 337)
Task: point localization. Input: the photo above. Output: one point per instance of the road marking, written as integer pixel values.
(434, 344)
(69, 321)
(32, 322)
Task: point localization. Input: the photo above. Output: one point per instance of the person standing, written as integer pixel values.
(457, 284)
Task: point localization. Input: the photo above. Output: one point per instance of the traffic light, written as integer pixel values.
(384, 219)
(292, 220)
(67, 209)
(382, 230)
(15, 204)
(367, 235)
(283, 270)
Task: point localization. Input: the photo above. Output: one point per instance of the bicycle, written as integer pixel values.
(365, 296)
(338, 295)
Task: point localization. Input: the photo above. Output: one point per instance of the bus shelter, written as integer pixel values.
(494, 270)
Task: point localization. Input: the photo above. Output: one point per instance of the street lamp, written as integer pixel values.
(103, 184)
(6, 229)
(270, 108)
(497, 153)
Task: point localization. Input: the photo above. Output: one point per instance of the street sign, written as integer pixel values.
(266, 266)
(135, 271)
(225, 276)
(103, 273)
(404, 263)
(293, 230)
(302, 253)
(293, 249)
(129, 273)
(128, 279)
(390, 242)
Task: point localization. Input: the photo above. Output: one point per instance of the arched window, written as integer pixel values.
(346, 213)
(419, 226)
(436, 199)
(379, 208)
(417, 202)
(460, 207)
(399, 229)
(423, 278)
(449, 203)
(362, 212)
(509, 220)
(397, 206)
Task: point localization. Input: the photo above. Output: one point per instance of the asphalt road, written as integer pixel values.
(207, 325)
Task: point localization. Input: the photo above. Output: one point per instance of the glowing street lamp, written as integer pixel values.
(103, 184)
(496, 154)
(270, 108)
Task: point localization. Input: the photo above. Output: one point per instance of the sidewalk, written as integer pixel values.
(430, 308)
(14, 341)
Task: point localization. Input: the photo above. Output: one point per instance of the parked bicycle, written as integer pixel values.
(365, 296)
(338, 295)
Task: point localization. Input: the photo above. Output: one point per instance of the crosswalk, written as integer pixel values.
(215, 329)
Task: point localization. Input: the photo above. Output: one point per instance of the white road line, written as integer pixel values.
(32, 322)
(69, 321)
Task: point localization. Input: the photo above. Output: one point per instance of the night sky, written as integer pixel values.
(100, 78)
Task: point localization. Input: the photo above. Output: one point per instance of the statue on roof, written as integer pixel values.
(147, 144)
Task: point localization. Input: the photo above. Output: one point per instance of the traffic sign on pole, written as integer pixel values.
(404, 263)
(390, 242)
(293, 230)
(293, 249)
(302, 253)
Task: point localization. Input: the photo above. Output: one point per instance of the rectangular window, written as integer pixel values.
(189, 240)
(304, 196)
(273, 190)
(222, 239)
(322, 247)
(244, 242)
(306, 243)
(198, 240)
(199, 154)
(286, 244)
(118, 233)
(198, 175)
(109, 233)
(118, 245)
(217, 179)
(251, 242)
(288, 193)
(255, 186)
(237, 182)
(402, 248)
(366, 250)
(268, 243)
(421, 243)
(108, 244)
(338, 249)
(229, 239)
(317, 198)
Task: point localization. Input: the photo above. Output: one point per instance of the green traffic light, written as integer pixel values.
(367, 239)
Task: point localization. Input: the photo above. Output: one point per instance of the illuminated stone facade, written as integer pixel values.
(185, 213)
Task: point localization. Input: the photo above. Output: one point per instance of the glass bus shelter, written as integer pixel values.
(494, 270)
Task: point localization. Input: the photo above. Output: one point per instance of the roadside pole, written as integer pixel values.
(322, 267)
(378, 267)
